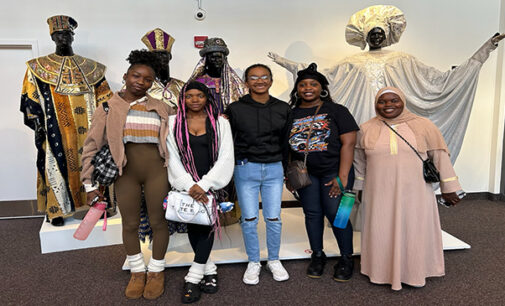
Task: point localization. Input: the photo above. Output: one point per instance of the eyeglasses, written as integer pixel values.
(255, 77)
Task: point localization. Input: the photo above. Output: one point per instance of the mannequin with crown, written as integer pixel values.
(60, 92)
(165, 88)
(445, 98)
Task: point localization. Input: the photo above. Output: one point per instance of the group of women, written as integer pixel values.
(198, 149)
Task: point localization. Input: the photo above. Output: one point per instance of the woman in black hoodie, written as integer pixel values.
(260, 125)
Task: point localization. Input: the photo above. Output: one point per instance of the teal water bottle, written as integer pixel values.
(345, 207)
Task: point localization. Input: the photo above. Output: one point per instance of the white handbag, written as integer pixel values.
(181, 207)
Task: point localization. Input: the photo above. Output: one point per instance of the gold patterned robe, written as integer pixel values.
(58, 98)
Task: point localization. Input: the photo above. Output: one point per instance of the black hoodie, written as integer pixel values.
(260, 130)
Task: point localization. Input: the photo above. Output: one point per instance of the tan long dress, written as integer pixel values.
(401, 239)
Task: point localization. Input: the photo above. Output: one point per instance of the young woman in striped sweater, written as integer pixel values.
(135, 128)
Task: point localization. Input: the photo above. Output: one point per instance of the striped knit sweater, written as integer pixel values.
(141, 126)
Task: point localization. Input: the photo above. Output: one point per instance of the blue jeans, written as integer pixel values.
(317, 204)
(250, 180)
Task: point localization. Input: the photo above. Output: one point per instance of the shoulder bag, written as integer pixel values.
(296, 171)
(105, 170)
(430, 172)
(181, 207)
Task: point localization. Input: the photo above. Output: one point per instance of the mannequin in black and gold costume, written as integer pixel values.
(60, 92)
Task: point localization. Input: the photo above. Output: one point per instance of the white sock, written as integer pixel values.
(156, 265)
(210, 268)
(195, 273)
(136, 263)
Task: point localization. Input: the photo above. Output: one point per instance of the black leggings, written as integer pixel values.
(317, 204)
(201, 240)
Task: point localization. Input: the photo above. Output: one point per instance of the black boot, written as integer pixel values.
(316, 266)
(191, 293)
(344, 269)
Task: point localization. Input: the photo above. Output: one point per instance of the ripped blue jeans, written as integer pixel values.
(251, 179)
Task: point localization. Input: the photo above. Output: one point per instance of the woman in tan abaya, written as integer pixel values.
(401, 239)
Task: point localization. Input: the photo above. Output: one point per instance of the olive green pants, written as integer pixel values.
(145, 168)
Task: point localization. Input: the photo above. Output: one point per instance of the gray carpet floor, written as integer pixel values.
(94, 276)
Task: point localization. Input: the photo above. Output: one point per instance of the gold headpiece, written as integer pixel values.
(61, 23)
(158, 39)
(387, 17)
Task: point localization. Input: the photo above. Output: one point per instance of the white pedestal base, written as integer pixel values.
(60, 238)
(294, 243)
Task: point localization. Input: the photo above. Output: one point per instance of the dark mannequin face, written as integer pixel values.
(164, 71)
(215, 60)
(63, 39)
(389, 105)
(375, 38)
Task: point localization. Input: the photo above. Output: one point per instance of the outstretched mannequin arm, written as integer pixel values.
(483, 53)
(291, 66)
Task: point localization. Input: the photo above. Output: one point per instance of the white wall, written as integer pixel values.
(440, 33)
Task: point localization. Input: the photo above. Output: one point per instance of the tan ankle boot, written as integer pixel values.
(136, 285)
(155, 285)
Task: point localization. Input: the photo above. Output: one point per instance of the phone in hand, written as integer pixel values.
(461, 194)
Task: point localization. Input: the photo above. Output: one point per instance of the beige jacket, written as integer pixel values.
(107, 128)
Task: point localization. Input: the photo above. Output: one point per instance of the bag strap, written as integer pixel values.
(417, 153)
(306, 153)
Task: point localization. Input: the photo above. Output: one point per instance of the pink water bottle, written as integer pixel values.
(88, 223)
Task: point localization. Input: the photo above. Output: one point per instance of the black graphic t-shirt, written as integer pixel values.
(332, 121)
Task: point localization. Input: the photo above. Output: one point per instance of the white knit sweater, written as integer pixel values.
(218, 176)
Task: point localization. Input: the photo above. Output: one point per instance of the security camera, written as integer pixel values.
(200, 14)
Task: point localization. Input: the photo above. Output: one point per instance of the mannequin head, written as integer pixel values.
(215, 51)
(375, 38)
(63, 41)
(164, 58)
(61, 29)
(214, 62)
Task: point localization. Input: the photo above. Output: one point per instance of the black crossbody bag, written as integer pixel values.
(430, 172)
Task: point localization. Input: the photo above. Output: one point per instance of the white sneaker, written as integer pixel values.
(252, 274)
(280, 274)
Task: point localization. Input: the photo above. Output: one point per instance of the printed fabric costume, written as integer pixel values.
(445, 98)
(59, 96)
(226, 89)
(401, 238)
(158, 40)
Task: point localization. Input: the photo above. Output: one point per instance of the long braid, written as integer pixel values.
(182, 137)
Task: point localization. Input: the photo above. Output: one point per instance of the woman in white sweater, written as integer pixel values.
(201, 162)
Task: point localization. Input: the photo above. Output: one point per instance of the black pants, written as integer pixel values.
(317, 204)
(201, 240)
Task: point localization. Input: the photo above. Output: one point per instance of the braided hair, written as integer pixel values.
(181, 131)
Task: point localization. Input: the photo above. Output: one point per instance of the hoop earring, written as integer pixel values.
(123, 81)
(296, 95)
(326, 93)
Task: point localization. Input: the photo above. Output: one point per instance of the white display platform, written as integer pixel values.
(60, 238)
(294, 244)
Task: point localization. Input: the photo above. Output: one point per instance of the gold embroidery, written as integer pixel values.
(449, 179)
(393, 143)
(72, 75)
